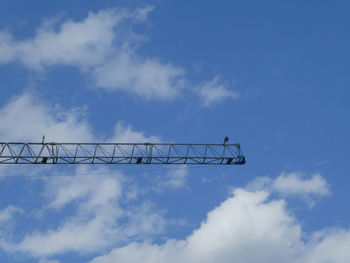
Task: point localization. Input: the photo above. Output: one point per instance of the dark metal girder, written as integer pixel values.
(120, 153)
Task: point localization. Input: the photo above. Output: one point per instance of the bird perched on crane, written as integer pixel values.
(226, 140)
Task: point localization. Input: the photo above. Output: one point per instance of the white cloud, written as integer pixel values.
(244, 228)
(125, 133)
(294, 184)
(7, 213)
(173, 179)
(247, 227)
(104, 46)
(329, 246)
(92, 227)
(144, 221)
(213, 92)
(48, 261)
(94, 189)
(176, 178)
(97, 218)
(76, 43)
(94, 197)
(149, 78)
(27, 119)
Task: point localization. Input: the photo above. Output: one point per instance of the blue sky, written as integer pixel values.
(271, 75)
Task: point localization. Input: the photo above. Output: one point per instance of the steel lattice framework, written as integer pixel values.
(120, 153)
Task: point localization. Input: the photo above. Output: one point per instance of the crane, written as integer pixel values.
(120, 153)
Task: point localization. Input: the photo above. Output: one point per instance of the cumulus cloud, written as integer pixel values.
(295, 184)
(94, 197)
(247, 227)
(149, 78)
(103, 45)
(92, 227)
(329, 246)
(244, 228)
(75, 43)
(94, 191)
(25, 118)
(213, 92)
(97, 219)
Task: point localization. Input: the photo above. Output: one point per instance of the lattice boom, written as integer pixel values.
(120, 153)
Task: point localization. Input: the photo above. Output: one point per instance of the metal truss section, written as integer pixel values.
(120, 153)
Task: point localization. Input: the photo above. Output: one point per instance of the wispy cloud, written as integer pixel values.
(96, 198)
(125, 133)
(97, 220)
(105, 48)
(172, 179)
(214, 91)
(103, 45)
(7, 213)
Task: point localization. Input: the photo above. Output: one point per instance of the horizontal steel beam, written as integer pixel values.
(120, 153)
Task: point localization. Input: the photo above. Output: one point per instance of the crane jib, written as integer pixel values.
(120, 153)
